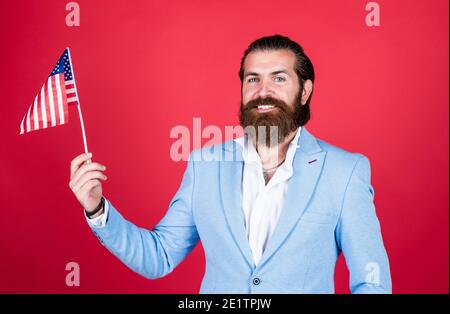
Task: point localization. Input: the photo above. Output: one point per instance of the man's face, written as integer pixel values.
(270, 73)
(270, 93)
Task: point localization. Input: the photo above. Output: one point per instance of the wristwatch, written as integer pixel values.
(97, 209)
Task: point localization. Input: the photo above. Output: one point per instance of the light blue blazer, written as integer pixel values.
(328, 209)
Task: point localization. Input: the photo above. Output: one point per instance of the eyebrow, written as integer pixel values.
(272, 73)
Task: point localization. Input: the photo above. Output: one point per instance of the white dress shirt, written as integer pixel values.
(261, 203)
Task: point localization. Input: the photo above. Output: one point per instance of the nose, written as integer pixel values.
(264, 89)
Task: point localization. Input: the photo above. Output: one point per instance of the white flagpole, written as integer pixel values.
(78, 105)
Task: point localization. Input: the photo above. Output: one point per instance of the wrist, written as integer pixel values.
(98, 211)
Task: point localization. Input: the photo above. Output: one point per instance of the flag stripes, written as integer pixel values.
(50, 105)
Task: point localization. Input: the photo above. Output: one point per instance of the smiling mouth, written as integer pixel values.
(263, 108)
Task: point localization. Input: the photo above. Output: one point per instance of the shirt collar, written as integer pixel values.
(250, 155)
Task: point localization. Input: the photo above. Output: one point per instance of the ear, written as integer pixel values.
(307, 90)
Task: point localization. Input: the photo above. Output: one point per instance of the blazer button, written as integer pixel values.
(256, 281)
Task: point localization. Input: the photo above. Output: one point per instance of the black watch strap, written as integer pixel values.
(97, 209)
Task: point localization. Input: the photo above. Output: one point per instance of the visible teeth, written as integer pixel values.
(265, 107)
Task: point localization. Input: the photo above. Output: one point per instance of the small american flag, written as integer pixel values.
(50, 106)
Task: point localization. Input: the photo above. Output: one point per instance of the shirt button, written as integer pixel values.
(256, 281)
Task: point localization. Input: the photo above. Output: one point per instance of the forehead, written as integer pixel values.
(268, 61)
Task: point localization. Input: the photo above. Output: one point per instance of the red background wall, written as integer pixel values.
(143, 67)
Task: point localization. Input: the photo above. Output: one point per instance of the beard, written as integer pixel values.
(272, 127)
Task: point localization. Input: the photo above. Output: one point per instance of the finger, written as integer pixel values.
(77, 161)
(89, 186)
(83, 169)
(86, 177)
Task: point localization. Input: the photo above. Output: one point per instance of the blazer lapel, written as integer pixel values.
(230, 172)
(307, 166)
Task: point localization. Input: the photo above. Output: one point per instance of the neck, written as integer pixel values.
(272, 156)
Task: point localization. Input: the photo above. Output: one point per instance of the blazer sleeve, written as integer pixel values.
(359, 236)
(154, 253)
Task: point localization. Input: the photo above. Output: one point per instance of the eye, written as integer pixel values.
(280, 79)
(252, 80)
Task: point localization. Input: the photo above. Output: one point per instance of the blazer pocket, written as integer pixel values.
(318, 217)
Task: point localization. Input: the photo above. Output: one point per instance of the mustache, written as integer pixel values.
(252, 104)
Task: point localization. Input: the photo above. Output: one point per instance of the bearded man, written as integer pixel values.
(273, 218)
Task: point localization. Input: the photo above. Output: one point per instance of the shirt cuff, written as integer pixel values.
(100, 221)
